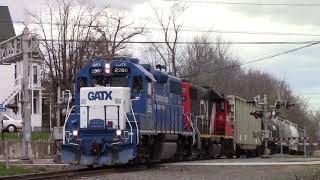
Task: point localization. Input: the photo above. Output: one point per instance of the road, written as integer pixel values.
(228, 169)
(250, 162)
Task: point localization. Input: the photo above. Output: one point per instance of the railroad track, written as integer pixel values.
(71, 174)
(86, 172)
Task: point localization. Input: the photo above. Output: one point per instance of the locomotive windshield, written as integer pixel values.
(114, 81)
(99, 80)
(119, 81)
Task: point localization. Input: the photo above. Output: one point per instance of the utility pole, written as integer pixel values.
(1, 126)
(265, 115)
(304, 141)
(26, 103)
(58, 106)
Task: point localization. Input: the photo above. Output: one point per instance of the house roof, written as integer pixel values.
(6, 26)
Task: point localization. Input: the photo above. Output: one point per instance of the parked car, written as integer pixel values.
(11, 124)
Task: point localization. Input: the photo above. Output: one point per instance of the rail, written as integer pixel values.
(78, 173)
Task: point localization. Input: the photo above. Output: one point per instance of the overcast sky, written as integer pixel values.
(300, 68)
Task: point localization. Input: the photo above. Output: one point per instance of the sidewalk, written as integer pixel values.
(34, 162)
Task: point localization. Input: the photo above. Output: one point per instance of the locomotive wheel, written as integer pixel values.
(215, 151)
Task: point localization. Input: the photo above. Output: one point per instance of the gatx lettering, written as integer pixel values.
(99, 95)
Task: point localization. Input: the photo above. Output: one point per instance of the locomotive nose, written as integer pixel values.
(95, 148)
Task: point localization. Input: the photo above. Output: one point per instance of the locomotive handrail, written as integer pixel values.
(134, 117)
(65, 122)
(129, 125)
(193, 130)
(196, 117)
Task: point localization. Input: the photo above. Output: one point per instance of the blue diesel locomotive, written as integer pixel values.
(124, 112)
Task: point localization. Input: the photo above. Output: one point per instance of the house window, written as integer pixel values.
(35, 74)
(15, 71)
(35, 102)
(34, 105)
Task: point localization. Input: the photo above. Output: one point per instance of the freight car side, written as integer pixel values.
(246, 127)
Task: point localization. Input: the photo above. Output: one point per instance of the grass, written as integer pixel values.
(35, 136)
(15, 170)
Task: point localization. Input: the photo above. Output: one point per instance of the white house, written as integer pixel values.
(10, 89)
(11, 75)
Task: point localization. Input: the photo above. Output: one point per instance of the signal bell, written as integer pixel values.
(257, 114)
(288, 104)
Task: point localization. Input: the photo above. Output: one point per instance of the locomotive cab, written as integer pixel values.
(102, 127)
(222, 123)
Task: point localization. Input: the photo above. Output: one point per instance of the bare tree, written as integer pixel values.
(210, 64)
(115, 32)
(170, 27)
(67, 32)
(74, 33)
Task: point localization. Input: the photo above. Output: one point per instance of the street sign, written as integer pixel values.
(2, 108)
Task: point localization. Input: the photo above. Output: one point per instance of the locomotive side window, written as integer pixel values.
(175, 87)
(149, 88)
(202, 107)
(137, 84)
(220, 106)
(119, 81)
(193, 93)
(82, 83)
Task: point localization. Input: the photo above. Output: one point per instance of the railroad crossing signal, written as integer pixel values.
(284, 103)
(257, 114)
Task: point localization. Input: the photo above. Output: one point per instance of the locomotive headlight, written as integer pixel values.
(118, 132)
(107, 68)
(75, 133)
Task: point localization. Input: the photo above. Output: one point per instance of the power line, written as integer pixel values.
(255, 60)
(190, 42)
(242, 32)
(279, 54)
(197, 30)
(250, 3)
